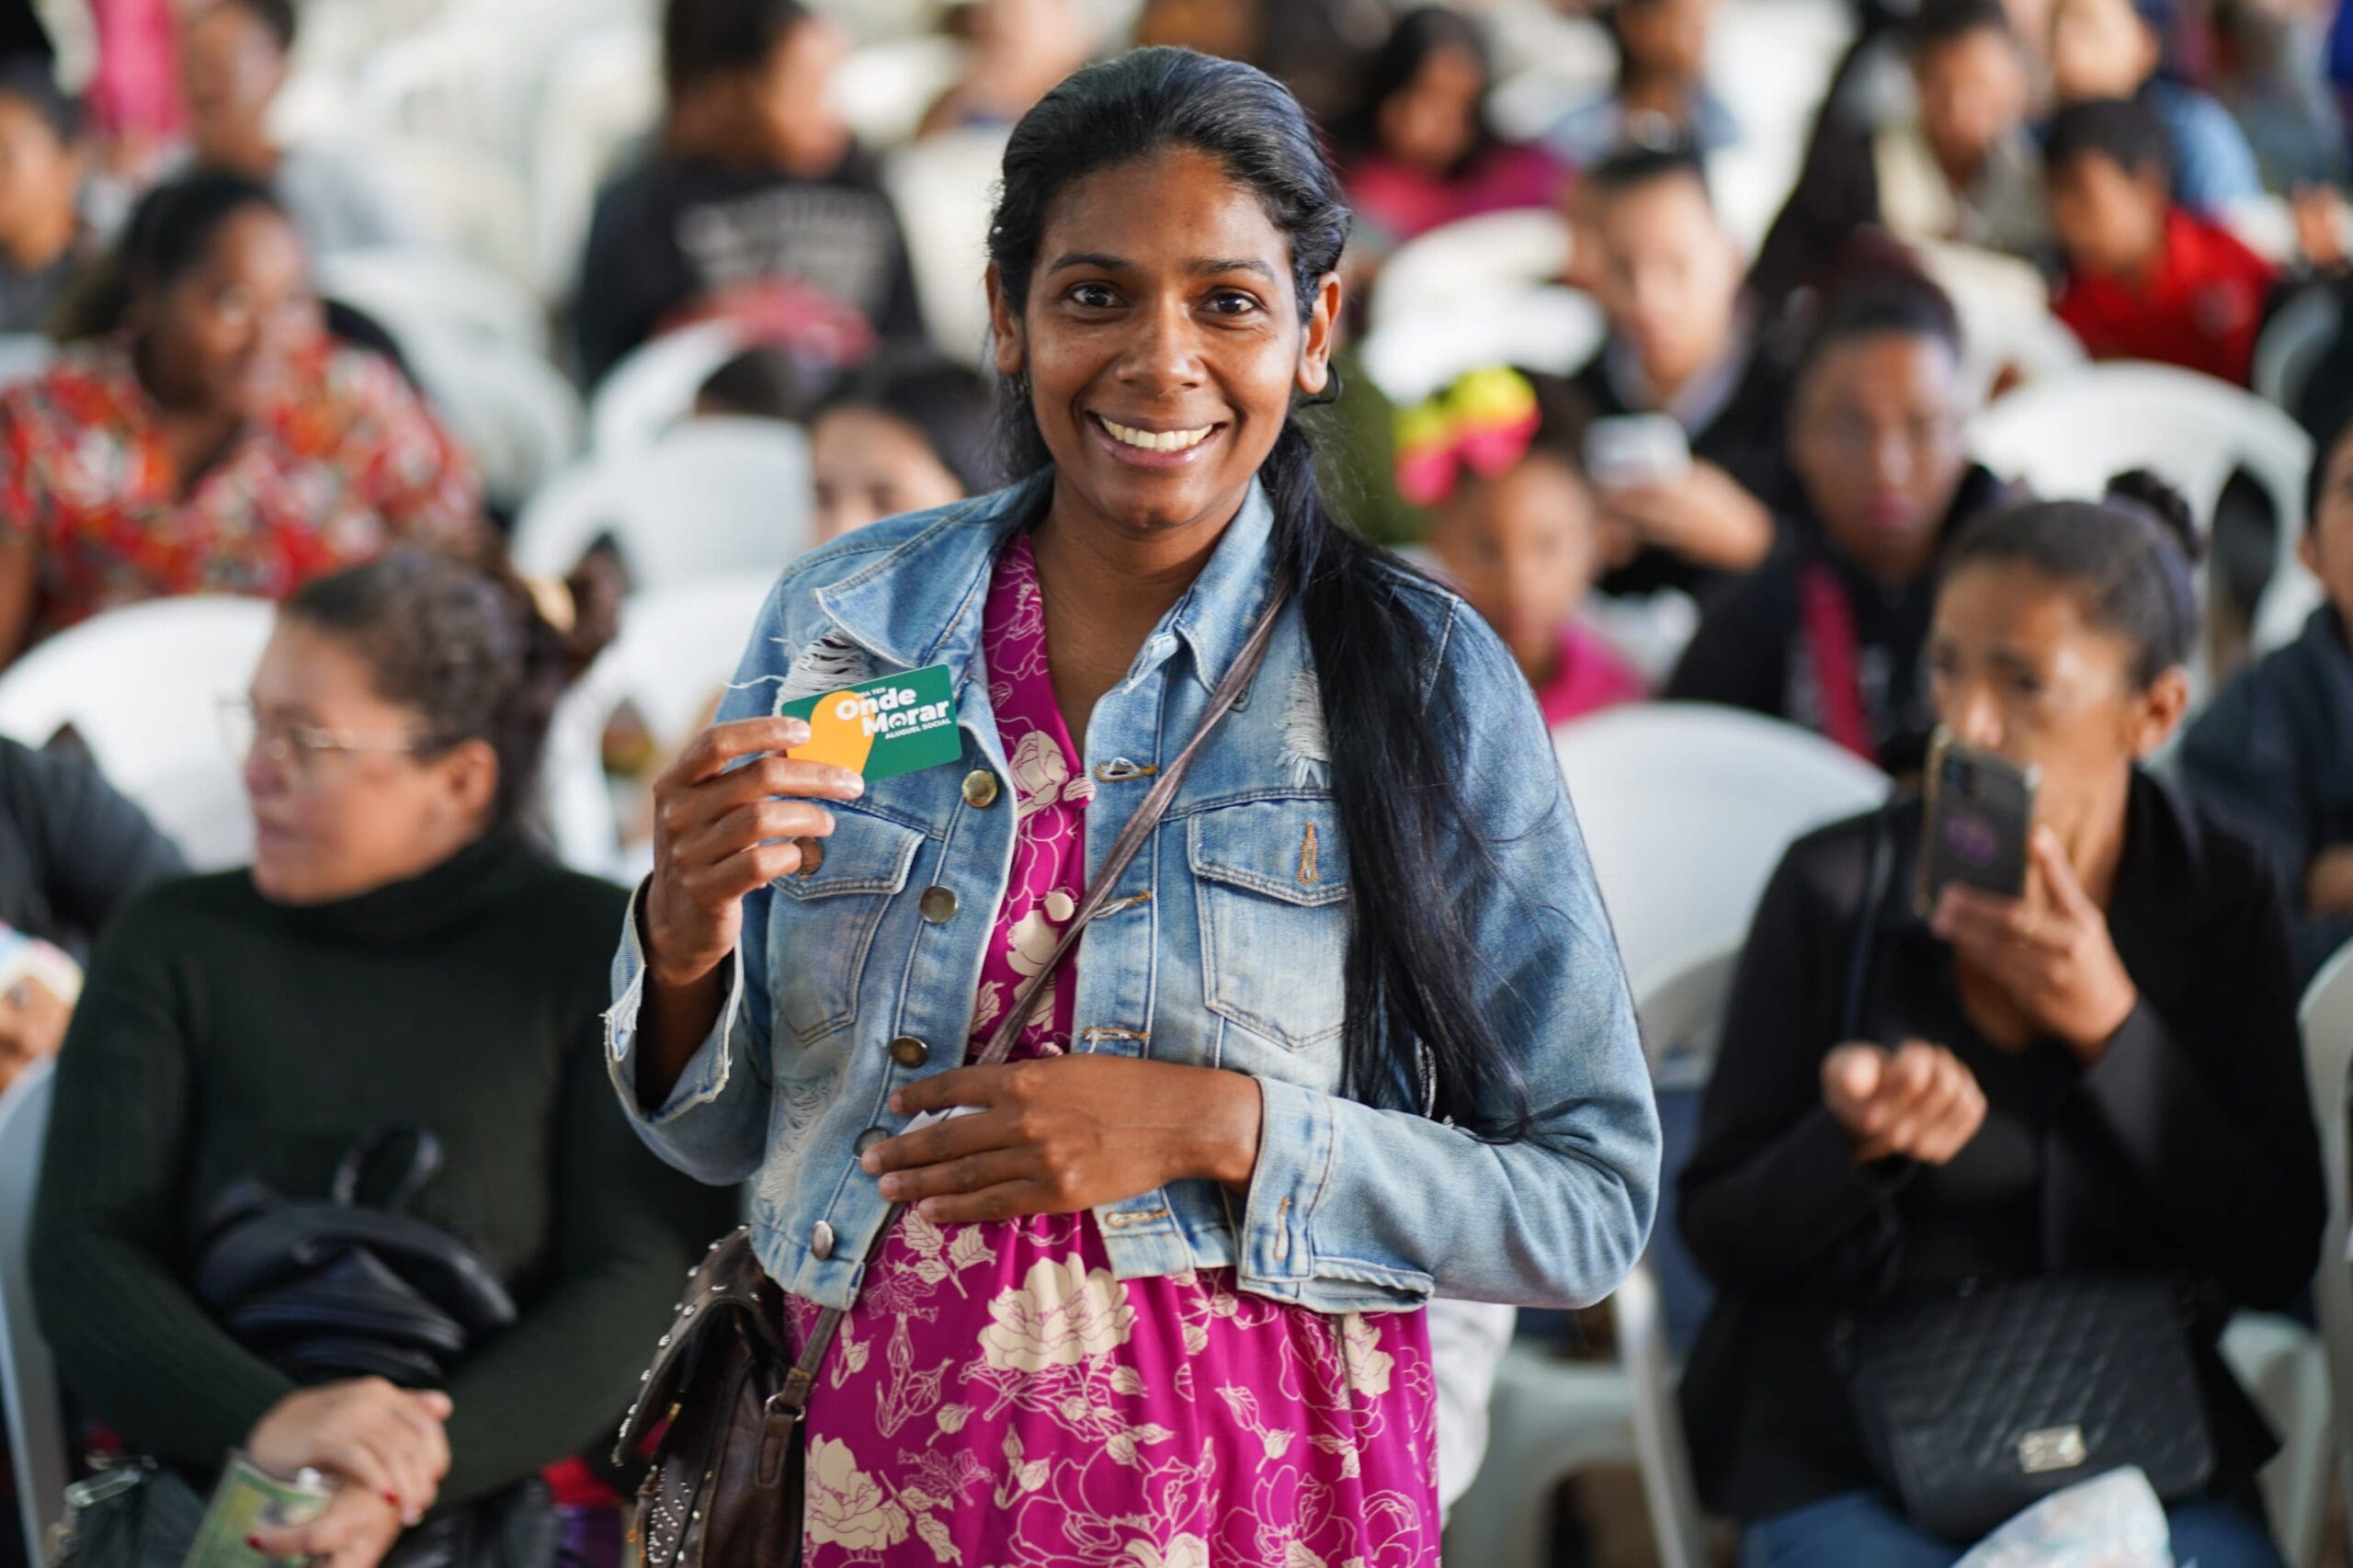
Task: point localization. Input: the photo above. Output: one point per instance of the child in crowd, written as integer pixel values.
(1684, 342)
(1020, 49)
(234, 55)
(902, 435)
(2275, 751)
(1418, 150)
(1829, 634)
(1661, 96)
(758, 204)
(43, 245)
(2146, 278)
(1959, 165)
(1498, 457)
(2112, 49)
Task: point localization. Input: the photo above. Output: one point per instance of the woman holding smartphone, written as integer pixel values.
(2100, 1077)
(1348, 1031)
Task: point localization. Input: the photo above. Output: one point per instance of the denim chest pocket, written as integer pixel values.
(825, 919)
(1271, 879)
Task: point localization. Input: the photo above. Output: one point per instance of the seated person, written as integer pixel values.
(2274, 752)
(1415, 150)
(1830, 633)
(1662, 95)
(71, 853)
(1686, 342)
(218, 442)
(2111, 48)
(398, 952)
(44, 245)
(1961, 168)
(756, 202)
(2146, 278)
(1019, 50)
(2270, 71)
(1499, 460)
(902, 435)
(2100, 1077)
(233, 55)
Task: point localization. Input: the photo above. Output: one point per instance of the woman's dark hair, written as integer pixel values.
(2129, 554)
(1562, 415)
(1416, 1036)
(2334, 430)
(2125, 131)
(1943, 23)
(948, 406)
(32, 81)
(466, 643)
(1418, 35)
(276, 18)
(1639, 166)
(704, 40)
(171, 233)
(1875, 291)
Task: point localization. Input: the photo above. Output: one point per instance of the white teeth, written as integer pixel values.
(1157, 440)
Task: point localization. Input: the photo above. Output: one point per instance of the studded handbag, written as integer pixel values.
(718, 1418)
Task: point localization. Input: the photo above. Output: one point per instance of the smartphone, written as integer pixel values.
(1981, 808)
(1624, 451)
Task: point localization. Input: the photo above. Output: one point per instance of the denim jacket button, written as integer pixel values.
(871, 1137)
(979, 788)
(821, 1241)
(937, 904)
(909, 1051)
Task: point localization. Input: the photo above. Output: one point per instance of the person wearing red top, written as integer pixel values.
(220, 442)
(2145, 280)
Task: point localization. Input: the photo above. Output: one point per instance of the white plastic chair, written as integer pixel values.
(469, 82)
(23, 355)
(655, 384)
(604, 93)
(469, 200)
(884, 88)
(35, 1423)
(2292, 342)
(142, 686)
(515, 412)
(1466, 260)
(1411, 355)
(2005, 319)
(412, 291)
(713, 496)
(2327, 1019)
(944, 186)
(1685, 810)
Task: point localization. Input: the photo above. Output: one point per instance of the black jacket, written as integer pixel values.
(2188, 1149)
(2274, 757)
(72, 850)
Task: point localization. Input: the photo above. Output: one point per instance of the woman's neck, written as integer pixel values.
(2092, 836)
(40, 241)
(196, 434)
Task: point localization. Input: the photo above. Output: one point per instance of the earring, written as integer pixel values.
(1332, 390)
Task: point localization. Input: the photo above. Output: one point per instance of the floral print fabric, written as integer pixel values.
(345, 461)
(997, 1400)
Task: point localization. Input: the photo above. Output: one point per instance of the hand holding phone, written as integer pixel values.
(1980, 809)
(1628, 451)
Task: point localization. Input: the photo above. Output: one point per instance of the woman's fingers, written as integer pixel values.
(722, 746)
(964, 1174)
(1004, 1201)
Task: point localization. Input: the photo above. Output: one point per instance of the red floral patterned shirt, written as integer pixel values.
(346, 462)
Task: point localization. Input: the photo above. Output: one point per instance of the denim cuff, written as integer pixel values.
(705, 1077)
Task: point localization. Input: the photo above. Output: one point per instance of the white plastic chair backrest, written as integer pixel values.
(653, 385)
(2004, 309)
(468, 199)
(2292, 342)
(23, 355)
(603, 94)
(34, 1425)
(2326, 1016)
(1685, 810)
(469, 82)
(2069, 436)
(142, 686)
(1524, 248)
(884, 88)
(944, 186)
(713, 496)
(1555, 329)
(415, 291)
(679, 646)
(516, 412)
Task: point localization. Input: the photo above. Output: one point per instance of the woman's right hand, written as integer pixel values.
(389, 1440)
(721, 832)
(1919, 1101)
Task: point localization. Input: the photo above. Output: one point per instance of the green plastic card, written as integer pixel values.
(882, 728)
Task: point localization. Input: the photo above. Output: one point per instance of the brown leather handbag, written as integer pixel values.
(718, 1417)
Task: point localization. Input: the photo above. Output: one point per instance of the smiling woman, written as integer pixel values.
(1150, 1219)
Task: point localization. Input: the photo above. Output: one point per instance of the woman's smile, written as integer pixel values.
(1156, 445)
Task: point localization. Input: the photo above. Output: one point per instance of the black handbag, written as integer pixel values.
(1974, 1407)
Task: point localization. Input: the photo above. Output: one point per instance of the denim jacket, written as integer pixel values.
(1223, 948)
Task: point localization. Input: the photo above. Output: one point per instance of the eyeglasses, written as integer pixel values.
(297, 749)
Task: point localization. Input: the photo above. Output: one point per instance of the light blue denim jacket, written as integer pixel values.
(1224, 948)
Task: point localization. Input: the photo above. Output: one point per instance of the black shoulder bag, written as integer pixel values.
(1975, 1405)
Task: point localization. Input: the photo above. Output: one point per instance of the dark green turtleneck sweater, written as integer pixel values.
(220, 1035)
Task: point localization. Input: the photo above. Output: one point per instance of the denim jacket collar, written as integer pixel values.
(915, 618)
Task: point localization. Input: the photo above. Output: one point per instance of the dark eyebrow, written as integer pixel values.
(1212, 267)
(1206, 266)
(1070, 258)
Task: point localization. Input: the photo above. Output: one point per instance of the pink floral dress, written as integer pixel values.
(997, 1400)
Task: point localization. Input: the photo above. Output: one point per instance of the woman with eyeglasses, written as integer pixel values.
(214, 439)
(399, 951)
(1828, 633)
